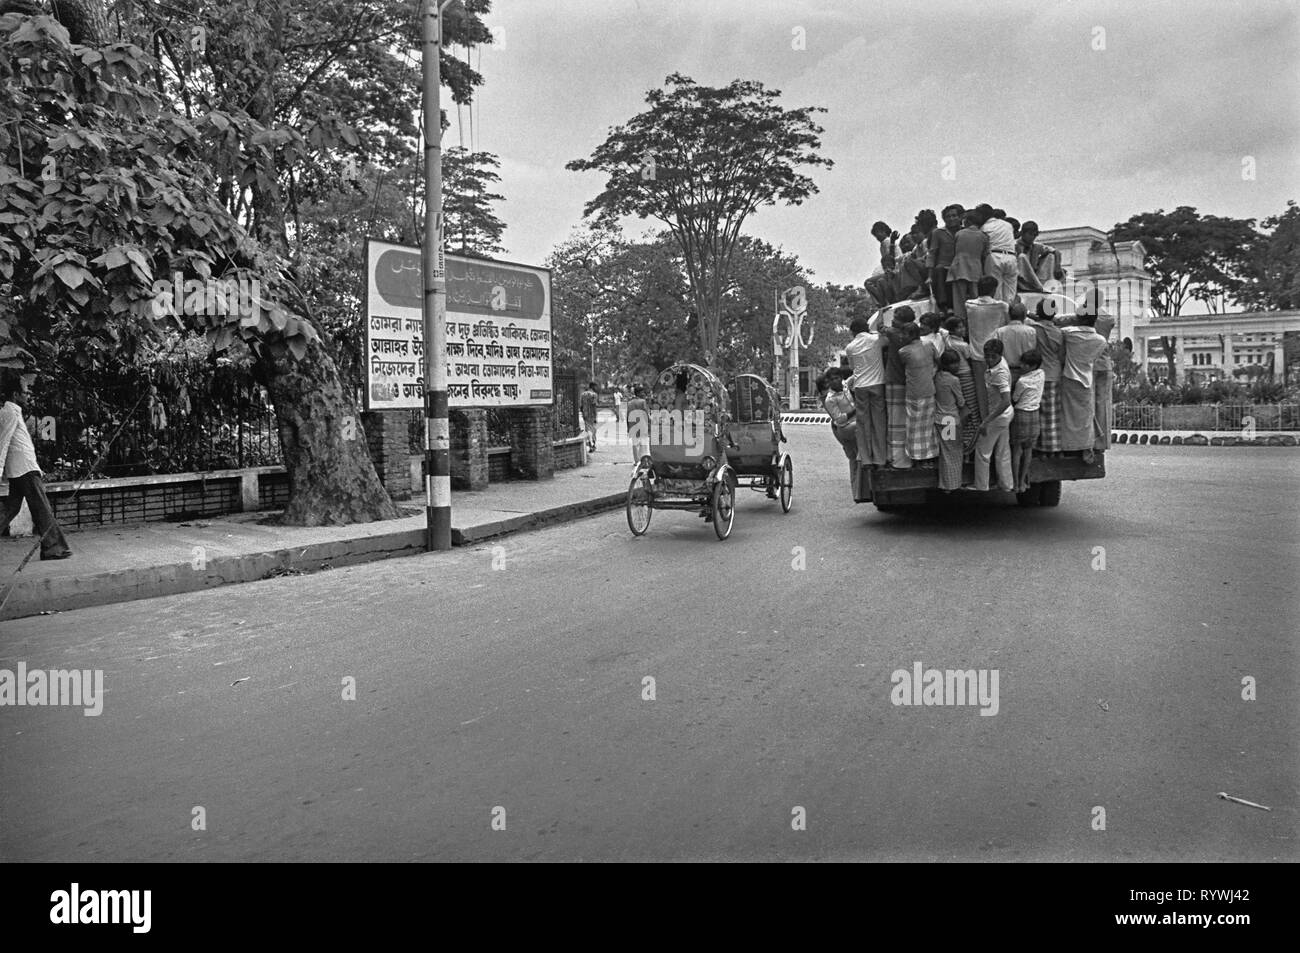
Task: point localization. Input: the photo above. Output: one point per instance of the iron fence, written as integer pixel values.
(175, 418)
(1222, 416)
(564, 406)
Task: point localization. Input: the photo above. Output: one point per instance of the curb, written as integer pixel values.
(1156, 438)
(63, 593)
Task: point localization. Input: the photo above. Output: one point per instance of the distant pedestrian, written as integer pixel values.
(587, 404)
(638, 424)
(618, 405)
(23, 472)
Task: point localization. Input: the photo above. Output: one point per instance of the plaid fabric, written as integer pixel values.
(950, 456)
(921, 439)
(1049, 418)
(896, 407)
(970, 430)
(1024, 426)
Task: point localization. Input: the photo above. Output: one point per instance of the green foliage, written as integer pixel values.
(470, 227)
(1272, 272)
(103, 191)
(1190, 256)
(701, 160)
(633, 301)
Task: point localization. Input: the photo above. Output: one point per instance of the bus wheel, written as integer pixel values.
(1050, 494)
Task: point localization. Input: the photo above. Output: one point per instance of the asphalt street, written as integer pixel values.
(516, 694)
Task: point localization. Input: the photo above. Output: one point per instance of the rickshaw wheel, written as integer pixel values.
(638, 504)
(724, 508)
(787, 484)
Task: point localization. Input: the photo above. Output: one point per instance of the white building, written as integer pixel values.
(1210, 347)
(1088, 256)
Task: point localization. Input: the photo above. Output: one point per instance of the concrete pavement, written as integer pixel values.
(120, 563)
(518, 694)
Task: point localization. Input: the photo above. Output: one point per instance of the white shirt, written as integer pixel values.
(16, 448)
(864, 354)
(1028, 392)
(1001, 235)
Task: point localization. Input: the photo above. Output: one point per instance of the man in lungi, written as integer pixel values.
(896, 387)
(918, 366)
(984, 315)
(1082, 348)
(1049, 349)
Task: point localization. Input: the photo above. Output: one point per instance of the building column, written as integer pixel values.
(1229, 358)
(1279, 360)
(1179, 357)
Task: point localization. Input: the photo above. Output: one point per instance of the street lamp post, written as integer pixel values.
(437, 443)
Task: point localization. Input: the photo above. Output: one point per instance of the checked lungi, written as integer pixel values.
(1049, 418)
(896, 406)
(970, 430)
(1025, 427)
(950, 457)
(921, 438)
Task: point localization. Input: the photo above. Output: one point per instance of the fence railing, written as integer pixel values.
(1224, 416)
(218, 420)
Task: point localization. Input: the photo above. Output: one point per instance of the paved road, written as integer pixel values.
(521, 688)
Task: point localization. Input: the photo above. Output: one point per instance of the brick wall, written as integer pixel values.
(567, 456)
(533, 453)
(498, 466)
(92, 507)
(468, 442)
(389, 445)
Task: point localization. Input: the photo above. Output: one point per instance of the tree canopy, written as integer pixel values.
(701, 160)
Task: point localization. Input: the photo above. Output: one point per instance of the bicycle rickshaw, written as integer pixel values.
(755, 438)
(687, 467)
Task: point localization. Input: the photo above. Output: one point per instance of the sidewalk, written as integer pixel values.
(140, 561)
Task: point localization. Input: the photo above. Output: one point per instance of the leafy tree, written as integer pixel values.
(1190, 257)
(701, 160)
(199, 161)
(470, 227)
(1272, 271)
(628, 298)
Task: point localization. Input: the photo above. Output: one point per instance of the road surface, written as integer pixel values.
(515, 696)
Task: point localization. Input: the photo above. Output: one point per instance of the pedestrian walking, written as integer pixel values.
(638, 424)
(587, 404)
(23, 472)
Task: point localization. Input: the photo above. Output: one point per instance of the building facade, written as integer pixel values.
(1089, 258)
(1211, 347)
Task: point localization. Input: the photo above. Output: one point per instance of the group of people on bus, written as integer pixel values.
(992, 383)
(946, 261)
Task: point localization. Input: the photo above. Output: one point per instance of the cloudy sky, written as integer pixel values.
(1070, 112)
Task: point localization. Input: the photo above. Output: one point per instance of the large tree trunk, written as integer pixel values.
(85, 20)
(332, 479)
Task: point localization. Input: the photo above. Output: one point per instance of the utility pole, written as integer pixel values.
(437, 442)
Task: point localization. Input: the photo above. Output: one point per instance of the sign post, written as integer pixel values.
(437, 431)
(793, 307)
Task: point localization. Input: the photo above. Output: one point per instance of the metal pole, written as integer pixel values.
(437, 450)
